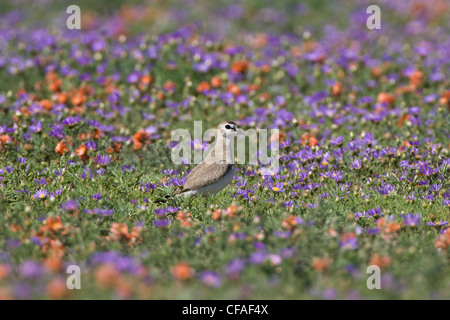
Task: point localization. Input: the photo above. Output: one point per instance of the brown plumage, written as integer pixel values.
(205, 175)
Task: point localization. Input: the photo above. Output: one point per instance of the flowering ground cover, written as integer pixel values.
(85, 150)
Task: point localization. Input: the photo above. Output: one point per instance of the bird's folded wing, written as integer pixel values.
(205, 174)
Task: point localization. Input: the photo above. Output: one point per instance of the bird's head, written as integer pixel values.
(227, 129)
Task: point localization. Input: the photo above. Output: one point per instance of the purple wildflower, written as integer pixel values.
(70, 205)
(375, 213)
(91, 145)
(435, 187)
(102, 212)
(234, 268)
(439, 223)
(372, 230)
(211, 279)
(275, 259)
(356, 165)
(257, 257)
(287, 252)
(162, 223)
(126, 168)
(337, 176)
(349, 243)
(160, 212)
(171, 209)
(42, 181)
(103, 160)
(31, 269)
(97, 196)
(36, 126)
(411, 219)
(70, 121)
(41, 194)
(57, 131)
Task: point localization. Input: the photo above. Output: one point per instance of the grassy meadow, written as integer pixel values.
(85, 149)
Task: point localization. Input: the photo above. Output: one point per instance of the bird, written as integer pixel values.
(216, 171)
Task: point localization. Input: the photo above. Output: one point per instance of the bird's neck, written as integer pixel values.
(222, 151)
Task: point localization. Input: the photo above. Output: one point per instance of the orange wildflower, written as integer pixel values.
(53, 224)
(160, 95)
(61, 148)
(146, 79)
(106, 276)
(182, 271)
(82, 136)
(281, 137)
(240, 66)
(252, 88)
(387, 98)
(388, 227)
(95, 135)
(289, 222)
(169, 85)
(15, 228)
(402, 119)
(78, 98)
(4, 271)
(234, 89)
(110, 87)
(336, 89)
(322, 264)
(124, 288)
(4, 139)
(46, 104)
(117, 146)
(216, 214)
(381, 261)
(264, 96)
(216, 82)
(53, 262)
(260, 40)
(443, 240)
(138, 139)
(376, 72)
(185, 219)
(51, 76)
(332, 232)
(203, 86)
(310, 139)
(232, 210)
(57, 289)
(405, 89)
(120, 232)
(81, 152)
(5, 295)
(265, 68)
(62, 98)
(416, 78)
(445, 99)
(55, 85)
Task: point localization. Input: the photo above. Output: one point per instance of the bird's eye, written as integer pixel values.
(227, 126)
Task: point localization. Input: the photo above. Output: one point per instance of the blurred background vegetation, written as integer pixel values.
(219, 16)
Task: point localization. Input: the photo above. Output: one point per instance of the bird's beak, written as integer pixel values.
(240, 132)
